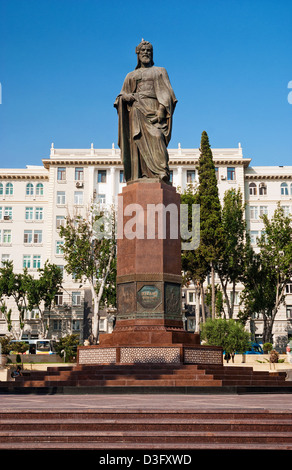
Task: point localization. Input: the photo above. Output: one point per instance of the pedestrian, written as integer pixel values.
(16, 373)
(227, 357)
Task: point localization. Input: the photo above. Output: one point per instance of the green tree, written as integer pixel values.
(5, 290)
(210, 211)
(230, 264)
(219, 300)
(42, 291)
(90, 252)
(67, 346)
(5, 347)
(194, 266)
(14, 285)
(226, 333)
(268, 271)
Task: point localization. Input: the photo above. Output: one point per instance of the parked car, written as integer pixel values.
(255, 348)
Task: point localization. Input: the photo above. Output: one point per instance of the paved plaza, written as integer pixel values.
(269, 402)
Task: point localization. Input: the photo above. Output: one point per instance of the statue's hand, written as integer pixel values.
(128, 97)
(157, 118)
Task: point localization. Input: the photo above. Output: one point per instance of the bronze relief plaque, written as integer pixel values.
(126, 298)
(172, 299)
(149, 296)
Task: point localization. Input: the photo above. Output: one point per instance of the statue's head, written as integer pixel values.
(144, 52)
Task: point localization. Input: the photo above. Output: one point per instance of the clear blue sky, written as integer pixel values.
(62, 63)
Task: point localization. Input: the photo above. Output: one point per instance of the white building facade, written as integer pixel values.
(36, 200)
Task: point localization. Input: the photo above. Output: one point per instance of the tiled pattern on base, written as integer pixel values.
(145, 354)
(202, 356)
(152, 355)
(97, 356)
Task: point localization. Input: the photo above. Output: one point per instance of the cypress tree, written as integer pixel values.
(211, 240)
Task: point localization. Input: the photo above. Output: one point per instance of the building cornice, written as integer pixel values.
(117, 161)
(77, 162)
(269, 177)
(29, 176)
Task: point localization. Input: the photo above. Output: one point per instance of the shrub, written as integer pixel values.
(67, 346)
(267, 347)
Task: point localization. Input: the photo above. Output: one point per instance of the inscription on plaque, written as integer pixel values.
(149, 296)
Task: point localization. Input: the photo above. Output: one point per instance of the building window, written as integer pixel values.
(38, 213)
(252, 189)
(6, 236)
(1, 189)
(27, 237)
(286, 210)
(263, 210)
(59, 247)
(262, 189)
(289, 311)
(235, 297)
(78, 174)
(26, 263)
(38, 236)
(253, 212)
(254, 234)
(76, 299)
(39, 189)
(231, 173)
(102, 324)
(61, 267)
(36, 261)
(122, 177)
(8, 213)
(171, 176)
(61, 174)
(29, 189)
(9, 189)
(101, 198)
(101, 176)
(60, 221)
(59, 299)
(61, 197)
(29, 213)
(4, 258)
(57, 325)
(284, 189)
(289, 289)
(191, 176)
(78, 198)
(191, 298)
(76, 325)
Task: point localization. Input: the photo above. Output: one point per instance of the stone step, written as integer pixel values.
(134, 436)
(118, 374)
(90, 378)
(129, 382)
(144, 424)
(233, 415)
(155, 429)
(146, 375)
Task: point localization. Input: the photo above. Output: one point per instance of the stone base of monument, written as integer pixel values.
(149, 354)
(149, 327)
(144, 341)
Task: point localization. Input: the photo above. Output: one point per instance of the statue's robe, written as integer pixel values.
(144, 144)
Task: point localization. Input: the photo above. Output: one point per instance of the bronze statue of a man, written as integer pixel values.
(145, 107)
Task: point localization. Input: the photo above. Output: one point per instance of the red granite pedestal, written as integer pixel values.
(149, 326)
